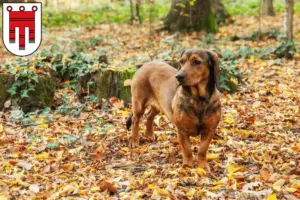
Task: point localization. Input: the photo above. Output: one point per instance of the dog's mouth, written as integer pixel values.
(181, 82)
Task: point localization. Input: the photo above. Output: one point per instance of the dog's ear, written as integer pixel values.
(214, 67)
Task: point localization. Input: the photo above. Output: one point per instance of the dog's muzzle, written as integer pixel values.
(180, 76)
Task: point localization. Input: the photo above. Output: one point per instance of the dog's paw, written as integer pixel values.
(133, 142)
(188, 163)
(149, 137)
(204, 165)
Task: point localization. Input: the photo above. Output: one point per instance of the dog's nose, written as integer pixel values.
(179, 76)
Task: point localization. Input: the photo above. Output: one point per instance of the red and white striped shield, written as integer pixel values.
(22, 27)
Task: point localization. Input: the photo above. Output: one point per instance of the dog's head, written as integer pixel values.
(199, 66)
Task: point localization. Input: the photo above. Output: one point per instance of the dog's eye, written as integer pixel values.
(197, 62)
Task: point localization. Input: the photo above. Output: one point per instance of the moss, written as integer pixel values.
(42, 96)
(46, 90)
(125, 91)
(210, 23)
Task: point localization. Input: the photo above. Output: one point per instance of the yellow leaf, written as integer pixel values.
(232, 169)
(30, 148)
(218, 187)
(151, 186)
(125, 149)
(191, 192)
(200, 171)
(218, 182)
(212, 156)
(272, 197)
(229, 119)
(15, 155)
(42, 156)
(125, 113)
(162, 192)
(18, 68)
(251, 59)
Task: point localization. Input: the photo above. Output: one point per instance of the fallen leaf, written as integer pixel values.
(42, 156)
(105, 185)
(272, 197)
(24, 164)
(200, 171)
(34, 188)
(264, 174)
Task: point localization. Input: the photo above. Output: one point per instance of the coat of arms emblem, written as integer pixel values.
(22, 27)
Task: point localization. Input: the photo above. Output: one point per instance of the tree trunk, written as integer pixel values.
(219, 11)
(268, 8)
(289, 19)
(191, 15)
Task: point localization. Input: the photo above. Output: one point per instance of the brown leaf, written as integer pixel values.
(264, 174)
(105, 185)
(294, 172)
(174, 140)
(171, 158)
(7, 140)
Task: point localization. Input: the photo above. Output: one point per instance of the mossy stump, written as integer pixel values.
(6, 81)
(42, 96)
(107, 83)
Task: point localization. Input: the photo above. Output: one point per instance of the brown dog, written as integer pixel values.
(188, 97)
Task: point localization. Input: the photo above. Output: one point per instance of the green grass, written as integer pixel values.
(102, 14)
(119, 12)
(250, 7)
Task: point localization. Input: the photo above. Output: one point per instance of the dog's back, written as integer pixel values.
(154, 84)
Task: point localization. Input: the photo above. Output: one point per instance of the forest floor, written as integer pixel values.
(255, 153)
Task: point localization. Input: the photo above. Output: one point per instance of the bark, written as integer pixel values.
(289, 19)
(191, 15)
(219, 11)
(268, 8)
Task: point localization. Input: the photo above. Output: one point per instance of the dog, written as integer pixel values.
(190, 99)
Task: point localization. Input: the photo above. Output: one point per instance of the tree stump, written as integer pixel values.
(106, 83)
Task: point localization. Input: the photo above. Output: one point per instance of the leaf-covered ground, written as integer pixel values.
(255, 154)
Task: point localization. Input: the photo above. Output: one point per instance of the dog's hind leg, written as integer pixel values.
(149, 124)
(138, 110)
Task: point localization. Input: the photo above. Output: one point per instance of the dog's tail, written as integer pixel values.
(129, 121)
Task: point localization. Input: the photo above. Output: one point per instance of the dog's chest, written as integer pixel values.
(188, 115)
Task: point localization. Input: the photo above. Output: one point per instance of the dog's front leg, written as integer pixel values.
(187, 154)
(206, 137)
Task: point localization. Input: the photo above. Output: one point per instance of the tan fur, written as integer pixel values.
(154, 85)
